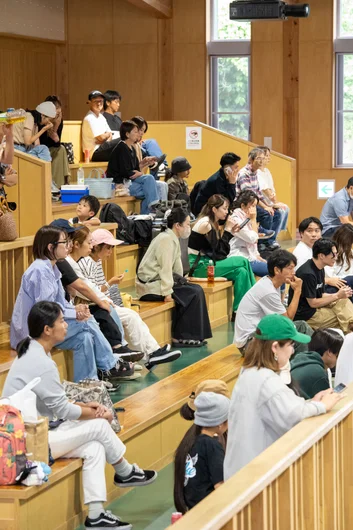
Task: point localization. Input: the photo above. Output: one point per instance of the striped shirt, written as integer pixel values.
(247, 180)
(93, 271)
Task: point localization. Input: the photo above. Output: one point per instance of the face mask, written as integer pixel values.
(285, 374)
(186, 233)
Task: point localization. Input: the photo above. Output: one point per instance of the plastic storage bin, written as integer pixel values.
(99, 186)
(73, 192)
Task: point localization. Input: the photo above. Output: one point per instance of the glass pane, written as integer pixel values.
(348, 81)
(226, 29)
(348, 138)
(232, 84)
(235, 124)
(346, 18)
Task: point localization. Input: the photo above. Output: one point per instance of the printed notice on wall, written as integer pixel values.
(193, 137)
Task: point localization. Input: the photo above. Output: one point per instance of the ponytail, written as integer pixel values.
(187, 413)
(23, 346)
(181, 453)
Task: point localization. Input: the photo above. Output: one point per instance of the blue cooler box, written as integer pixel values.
(73, 192)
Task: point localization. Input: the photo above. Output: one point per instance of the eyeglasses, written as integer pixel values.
(260, 158)
(66, 242)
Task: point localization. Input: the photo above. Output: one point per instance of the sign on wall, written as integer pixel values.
(325, 188)
(193, 137)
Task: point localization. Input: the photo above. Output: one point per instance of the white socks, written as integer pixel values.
(123, 469)
(95, 509)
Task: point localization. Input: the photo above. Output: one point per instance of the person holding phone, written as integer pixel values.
(244, 242)
(263, 407)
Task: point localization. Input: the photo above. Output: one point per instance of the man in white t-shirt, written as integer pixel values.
(96, 133)
(264, 298)
(268, 189)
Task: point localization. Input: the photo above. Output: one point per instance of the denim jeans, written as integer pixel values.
(90, 347)
(259, 268)
(330, 289)
(40, 151)
(162, 188)
(284, 219)
(151, 147)
(269, 222)
(145, 188)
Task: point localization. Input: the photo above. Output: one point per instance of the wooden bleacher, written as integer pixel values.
(152, 431)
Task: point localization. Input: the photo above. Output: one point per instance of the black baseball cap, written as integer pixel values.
(64, 224)
(95, 94)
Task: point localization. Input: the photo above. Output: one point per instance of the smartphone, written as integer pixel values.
(244, 223)
(339, 388)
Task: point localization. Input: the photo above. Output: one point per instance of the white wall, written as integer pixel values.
(43, 19)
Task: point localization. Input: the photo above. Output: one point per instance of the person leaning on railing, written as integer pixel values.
(263, 407)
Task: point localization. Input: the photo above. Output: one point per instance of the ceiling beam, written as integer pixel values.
(156, 8)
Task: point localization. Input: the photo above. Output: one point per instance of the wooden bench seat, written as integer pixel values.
(68, 210)
(152, 430)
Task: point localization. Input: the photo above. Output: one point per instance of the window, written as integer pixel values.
(229, 52)
(344, 84)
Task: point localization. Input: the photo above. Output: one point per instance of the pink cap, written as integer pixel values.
(104, 236)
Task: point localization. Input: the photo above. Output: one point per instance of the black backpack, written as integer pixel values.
(129, 230)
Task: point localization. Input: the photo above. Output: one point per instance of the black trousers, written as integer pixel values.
(107, 325)
(104, 151)
(190, 316)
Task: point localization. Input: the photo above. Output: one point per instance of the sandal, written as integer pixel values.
(189, 343)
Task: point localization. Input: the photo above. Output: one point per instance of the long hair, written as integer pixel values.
(181, 453)
(259, 354)
(343, 238)
(215, 201)
(42, 314)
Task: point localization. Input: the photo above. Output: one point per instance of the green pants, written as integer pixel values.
(236, 269)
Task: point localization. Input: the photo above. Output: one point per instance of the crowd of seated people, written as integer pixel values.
(65, 300)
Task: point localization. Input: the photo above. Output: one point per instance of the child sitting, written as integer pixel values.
(198, 466)
(177, 186)
(86, 210)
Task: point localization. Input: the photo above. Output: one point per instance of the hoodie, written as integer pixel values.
(308, 371)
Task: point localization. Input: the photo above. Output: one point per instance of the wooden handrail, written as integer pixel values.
(322, 441)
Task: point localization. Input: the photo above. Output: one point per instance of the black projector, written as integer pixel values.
(266, 10)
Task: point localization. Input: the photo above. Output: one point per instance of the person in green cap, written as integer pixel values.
(263, 407)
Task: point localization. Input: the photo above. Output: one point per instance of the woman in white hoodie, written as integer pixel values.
(263, 407)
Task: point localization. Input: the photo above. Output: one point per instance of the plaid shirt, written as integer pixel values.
(247, 180)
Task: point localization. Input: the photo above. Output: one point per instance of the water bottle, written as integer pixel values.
(175, 517)
(210, 272)
(80, 175)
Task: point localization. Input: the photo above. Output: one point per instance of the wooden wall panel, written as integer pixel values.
(28, 70)
(90, 23)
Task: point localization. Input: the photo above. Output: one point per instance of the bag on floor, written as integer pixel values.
(8, 230)
(12, 445)
(93, 390)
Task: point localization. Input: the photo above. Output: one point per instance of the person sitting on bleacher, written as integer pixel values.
(268, 189)
(159, 278)
(152, 162)
(210, 241)
(8, 176)
(42, 281)
(137, 332)
(317, 308)
(310, 230)
(112, 100)
(244, 242)
(221, 183)
(78, 430)
(26, 134)
(60, 168)
(175, 178)
(268, 216)
(87, 209)
(125, 168)
(97, 137)
(264, 298)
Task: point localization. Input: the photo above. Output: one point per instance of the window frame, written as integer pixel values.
(219, 48)
(342, 46)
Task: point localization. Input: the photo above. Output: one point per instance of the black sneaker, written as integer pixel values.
(121, 372)
(107, 520)
(128, 355)
(137, 477)
(162, 356)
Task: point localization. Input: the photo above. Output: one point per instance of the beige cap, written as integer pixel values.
(210, 385)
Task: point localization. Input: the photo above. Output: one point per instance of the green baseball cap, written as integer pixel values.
(279, 327)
